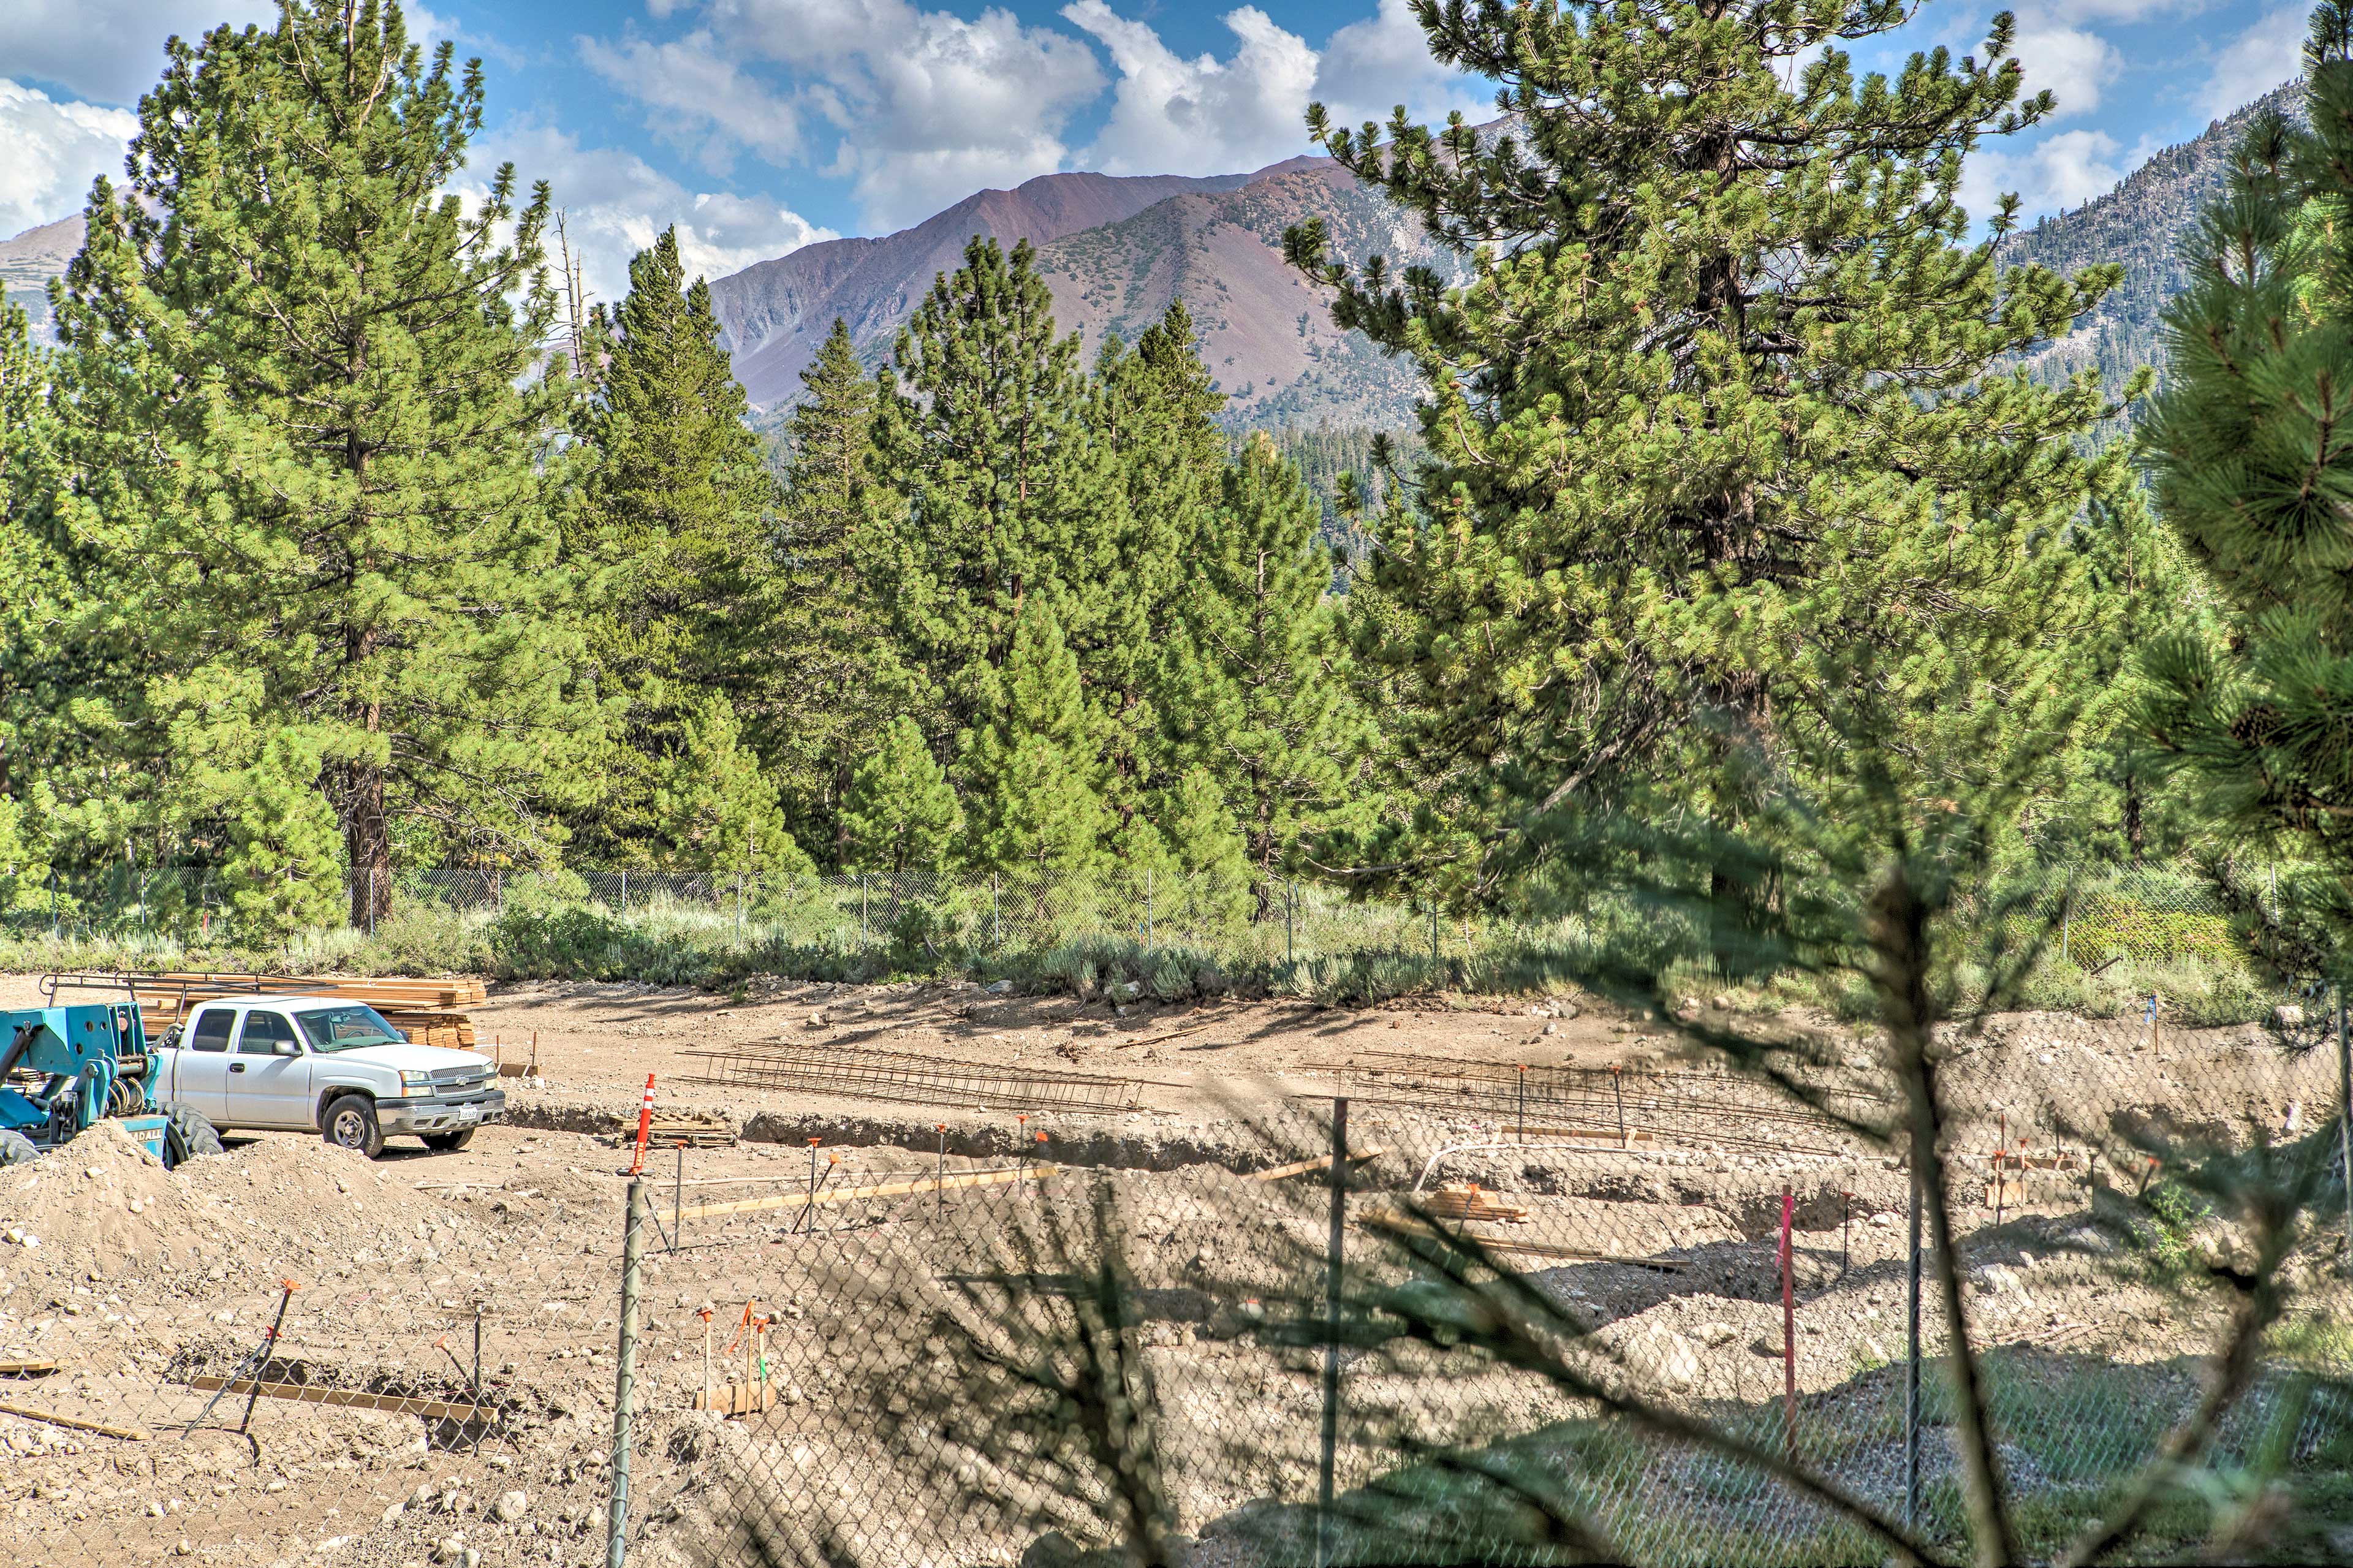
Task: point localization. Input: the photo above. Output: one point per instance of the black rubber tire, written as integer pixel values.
(15, 1149)
(186, 1134)
(448, 1142)
(350, 1123)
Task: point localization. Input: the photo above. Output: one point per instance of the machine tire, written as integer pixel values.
(448, 1142)
(186, 1134)
(15, 1149)
(350, 1123)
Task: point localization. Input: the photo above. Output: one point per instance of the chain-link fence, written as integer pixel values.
(1424, 1308)
(2151, 929)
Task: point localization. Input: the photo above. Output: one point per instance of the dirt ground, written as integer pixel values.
(135, 1282)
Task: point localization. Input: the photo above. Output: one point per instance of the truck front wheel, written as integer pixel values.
(186, 1135)
(351, 1123)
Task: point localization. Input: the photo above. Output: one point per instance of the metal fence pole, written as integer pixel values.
(2345, 1119)
(995, 927)
(625, 1379)
(1323, 1478)
(861, 912)
(1912, 1360)
(1147, 909)
(1433, 929)
(1289, 921)
(624, 894)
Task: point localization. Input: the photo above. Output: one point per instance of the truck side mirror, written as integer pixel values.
(286, 1047)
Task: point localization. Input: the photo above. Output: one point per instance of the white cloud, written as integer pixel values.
(1175, 116)
(928, 104)
(2268, 53)
(2065, 170)
(695, 85)
(54, 150)
(615, 203)
(2074, 63)
(1370, 66)
(109, 50)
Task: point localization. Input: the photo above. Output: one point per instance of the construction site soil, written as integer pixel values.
(481, 1286)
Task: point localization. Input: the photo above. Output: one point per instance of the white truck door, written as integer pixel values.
(269, 1077)
(200, 1066)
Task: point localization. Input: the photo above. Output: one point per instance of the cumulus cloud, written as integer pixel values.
(1202, 115)
(697, 88)
(1368, 67)
(111, 50)
(2268, 53)
(2065, 170)
(54, 151)
(2073, 62)
(615, 203)
(927, 104)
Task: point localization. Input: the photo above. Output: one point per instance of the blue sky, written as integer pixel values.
(760, 125)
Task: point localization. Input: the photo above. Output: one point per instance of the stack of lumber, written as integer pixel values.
(1459, 1201)
(430, 1012)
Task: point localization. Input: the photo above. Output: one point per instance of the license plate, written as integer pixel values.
(470, 1113)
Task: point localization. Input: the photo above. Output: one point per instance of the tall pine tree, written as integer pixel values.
(677, 519)
(1713, 413)
(814, 718)
(1013, 502)
(1269, 713)
(899, 813)
(2246, 452)
(318, 379)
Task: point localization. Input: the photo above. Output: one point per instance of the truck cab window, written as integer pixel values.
(261, 1033)
(212, 1029)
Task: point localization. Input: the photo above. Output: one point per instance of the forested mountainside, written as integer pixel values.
(2142, 224)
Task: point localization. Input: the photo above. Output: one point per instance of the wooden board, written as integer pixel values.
(27, 1368)
(1321, 1163)
(308, 1394)
(887, 1190)
(132, 1434)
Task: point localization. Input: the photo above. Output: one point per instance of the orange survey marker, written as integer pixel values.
(755, 1393)
(645, 1126)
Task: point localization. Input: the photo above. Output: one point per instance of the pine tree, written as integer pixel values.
(1215, 881)
(2249, 467)
(835, 515)
(312, 385)
(1156, 409)
(677, 518)
(899, 813)
(1269, 714)
(1712, 420)
(714, 806)
(282, 864)
(1036, 769)
(1012, 502)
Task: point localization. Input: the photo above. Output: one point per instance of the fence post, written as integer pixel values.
(995, 930)
(1147, 909)
(372, 893)
(1323, 1478)
(1290, 918)
(2345, 1119)
(625, 1379)
(53, 904)
(1912, 1360)
(861, 912)
(2067, 913)
(625, 893)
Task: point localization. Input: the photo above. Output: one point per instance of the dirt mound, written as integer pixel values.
(101, 1202)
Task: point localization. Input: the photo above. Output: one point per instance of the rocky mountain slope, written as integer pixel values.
(28, 260)
(775, 313)
(2142, 224)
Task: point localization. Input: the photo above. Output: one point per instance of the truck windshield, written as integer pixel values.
(347, 1029)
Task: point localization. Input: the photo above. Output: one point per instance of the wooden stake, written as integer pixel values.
(130, 1433)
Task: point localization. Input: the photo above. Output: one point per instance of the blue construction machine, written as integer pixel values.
(70, 1065)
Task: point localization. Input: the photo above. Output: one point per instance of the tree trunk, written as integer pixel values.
(367, 840)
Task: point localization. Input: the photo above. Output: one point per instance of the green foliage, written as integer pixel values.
(284, 861)
(900, 814)
(675, 518)
(1268, 715)
(717, 810)
(835, 517)
(1713, 446)
(1014, 505)
(2248, 468)
(1035, 767)
(309, 420)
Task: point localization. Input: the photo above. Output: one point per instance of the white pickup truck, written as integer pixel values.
(315, 1064)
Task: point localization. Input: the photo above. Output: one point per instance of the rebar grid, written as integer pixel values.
(865, 1074)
